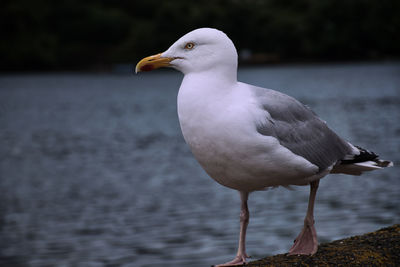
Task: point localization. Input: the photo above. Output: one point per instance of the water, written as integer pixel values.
(95, 172)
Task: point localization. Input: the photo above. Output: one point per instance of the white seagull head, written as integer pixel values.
(201, 50)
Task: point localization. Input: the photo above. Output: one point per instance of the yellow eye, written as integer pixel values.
(189, 46)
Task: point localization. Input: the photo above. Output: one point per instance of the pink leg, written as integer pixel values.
(306, 242)
(244, 221)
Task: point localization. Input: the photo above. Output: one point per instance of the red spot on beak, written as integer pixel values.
(147, 67)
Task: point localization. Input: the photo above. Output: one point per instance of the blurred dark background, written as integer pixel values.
(96, 35)
(94, 170)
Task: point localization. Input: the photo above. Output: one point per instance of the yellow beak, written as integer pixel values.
(153, 62)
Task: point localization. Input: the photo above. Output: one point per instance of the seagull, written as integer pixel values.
(249, 138)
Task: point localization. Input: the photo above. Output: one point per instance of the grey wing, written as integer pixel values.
(299, 129)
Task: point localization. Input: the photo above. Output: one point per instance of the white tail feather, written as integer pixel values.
(360, 167)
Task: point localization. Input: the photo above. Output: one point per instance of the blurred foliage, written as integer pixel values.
(72, 34)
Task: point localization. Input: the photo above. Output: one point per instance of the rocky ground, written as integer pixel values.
(379, 248)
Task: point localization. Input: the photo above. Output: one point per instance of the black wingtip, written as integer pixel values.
(365, 155)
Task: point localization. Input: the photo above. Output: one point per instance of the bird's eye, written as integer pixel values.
(189, 46)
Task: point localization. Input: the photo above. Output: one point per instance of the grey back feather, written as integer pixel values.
(299, 129)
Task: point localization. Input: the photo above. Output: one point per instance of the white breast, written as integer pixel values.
(219, 125)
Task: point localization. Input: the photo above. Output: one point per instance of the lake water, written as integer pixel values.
(94, 170)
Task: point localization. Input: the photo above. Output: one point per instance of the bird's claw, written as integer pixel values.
(238, 260)
(306, 243)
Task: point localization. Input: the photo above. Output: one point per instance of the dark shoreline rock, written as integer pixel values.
(379, 248)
